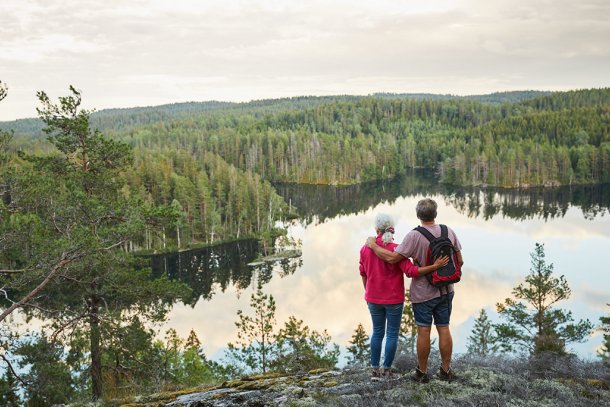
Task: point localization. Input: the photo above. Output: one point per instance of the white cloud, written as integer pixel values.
(286, 48)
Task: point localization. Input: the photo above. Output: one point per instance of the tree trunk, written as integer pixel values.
(96, 356)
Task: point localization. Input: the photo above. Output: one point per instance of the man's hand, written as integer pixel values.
(370, 241)
(383, 254)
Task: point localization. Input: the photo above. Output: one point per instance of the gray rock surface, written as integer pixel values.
(493, 383)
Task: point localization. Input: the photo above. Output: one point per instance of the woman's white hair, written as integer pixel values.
(385, 224)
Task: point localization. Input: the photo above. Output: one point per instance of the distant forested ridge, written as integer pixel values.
(559, 139)
(510, 139)
(127, 118)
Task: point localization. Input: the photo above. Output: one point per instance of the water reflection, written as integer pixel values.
(498, 229)
(320, 203)
(209, 269)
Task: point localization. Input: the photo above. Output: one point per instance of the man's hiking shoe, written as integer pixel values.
(420, 377)
(389, 375)
(375, 375)
(447, 376)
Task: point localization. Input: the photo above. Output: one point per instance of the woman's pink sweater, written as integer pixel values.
(384, 281)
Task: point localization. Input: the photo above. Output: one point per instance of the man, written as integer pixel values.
(430, 304)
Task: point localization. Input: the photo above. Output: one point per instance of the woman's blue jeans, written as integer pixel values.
(380, 314)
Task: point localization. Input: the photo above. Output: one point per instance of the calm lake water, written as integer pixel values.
(498, 230)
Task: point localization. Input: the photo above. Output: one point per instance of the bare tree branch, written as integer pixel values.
(65, 260)
(14, 271)
(120, 242)
(63, 326)
(10, 366)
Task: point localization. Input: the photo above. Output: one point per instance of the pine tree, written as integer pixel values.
(408, 327)
(482, 341)
(74, 220)
(192, 341)
(171, 355)
(255, 339)
(9, 393)
(359, 349)
(533, 324)
(298, 348)
(49, 378)
(604, 351)
(5, 136)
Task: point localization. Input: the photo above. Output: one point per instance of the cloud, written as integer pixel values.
(286, 48)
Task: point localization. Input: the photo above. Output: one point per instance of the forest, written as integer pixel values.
(216, 162)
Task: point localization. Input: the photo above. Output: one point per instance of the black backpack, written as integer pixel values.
(441, 246)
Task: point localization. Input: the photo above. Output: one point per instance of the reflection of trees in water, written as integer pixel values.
(283, 268)
(208, 269)
(319, 203)
(530, 203)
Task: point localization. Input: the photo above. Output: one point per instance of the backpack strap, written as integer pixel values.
(426, 232)
(444, 231)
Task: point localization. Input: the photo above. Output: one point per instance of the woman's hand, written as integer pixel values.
(440, 262)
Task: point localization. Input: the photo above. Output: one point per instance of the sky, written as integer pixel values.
(151, 52)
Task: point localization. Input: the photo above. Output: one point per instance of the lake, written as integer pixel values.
(497, 228)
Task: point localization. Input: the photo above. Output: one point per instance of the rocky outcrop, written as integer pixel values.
(475, 386)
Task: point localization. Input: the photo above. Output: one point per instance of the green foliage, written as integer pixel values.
(71, 224)
(408, 327)
(350, 141)
(9, 391)
(294, 348)
(604, 351)
(483, 339)
(214, 200)
(512, 139)
(300, 349)
(49, 378)
(359, 349)
(533, 324)
(135, 362)
(5, 139)
(255, 338)
(182, 363)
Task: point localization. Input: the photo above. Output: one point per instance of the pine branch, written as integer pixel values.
(64, 261)
(10, 366)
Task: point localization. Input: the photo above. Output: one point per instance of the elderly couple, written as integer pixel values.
(382, 264)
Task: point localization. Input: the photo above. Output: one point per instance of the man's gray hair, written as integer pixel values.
(426, 209)
(383, 223)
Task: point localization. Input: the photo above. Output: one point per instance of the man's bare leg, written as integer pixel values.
(445, 346)
(423, 347)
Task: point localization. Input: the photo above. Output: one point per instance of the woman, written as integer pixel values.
(384, 292)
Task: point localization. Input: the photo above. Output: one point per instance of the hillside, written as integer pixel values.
(562, 139)
(507, 139)
(122, 119)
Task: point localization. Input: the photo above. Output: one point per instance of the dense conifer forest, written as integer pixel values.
(215, 162)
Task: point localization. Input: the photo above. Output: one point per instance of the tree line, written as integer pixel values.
(559, 139)
(506, 140)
